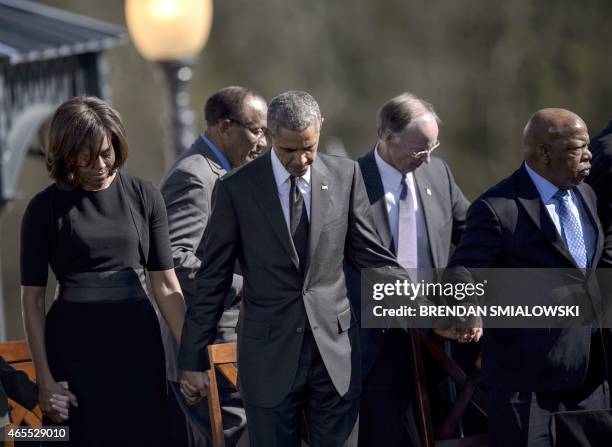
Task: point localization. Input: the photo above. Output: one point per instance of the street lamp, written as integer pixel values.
(171, 33)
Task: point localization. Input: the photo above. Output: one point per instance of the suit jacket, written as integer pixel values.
(16, 385)
(444, 210)
(247, 224)
(600, 180)
(187, 190)
(509, 227)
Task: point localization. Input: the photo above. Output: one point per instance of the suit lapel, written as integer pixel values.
(430, 206)
(266, 196)
(376, 195)
(529, 198)
(209, 155)
(594, 221)
(320, 198)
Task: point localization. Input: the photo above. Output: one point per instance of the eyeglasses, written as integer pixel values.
(426, 152)
(257, 132)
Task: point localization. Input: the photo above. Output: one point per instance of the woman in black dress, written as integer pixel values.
(99, 230)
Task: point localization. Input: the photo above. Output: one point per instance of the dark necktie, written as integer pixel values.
(298, 222)
(406, 229)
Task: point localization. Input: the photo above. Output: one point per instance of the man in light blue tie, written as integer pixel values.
(543, 216)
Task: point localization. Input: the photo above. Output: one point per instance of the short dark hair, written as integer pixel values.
(228, 103)
(293, 110)
(397, 113)
(82, 123)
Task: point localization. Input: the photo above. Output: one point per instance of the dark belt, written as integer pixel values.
(109, 286)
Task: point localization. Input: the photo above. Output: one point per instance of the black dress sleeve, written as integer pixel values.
(160, 252)
(34, 255)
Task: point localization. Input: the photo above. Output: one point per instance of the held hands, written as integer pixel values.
(55, 399)
(194, 385)
(461, 335)
(462, 330)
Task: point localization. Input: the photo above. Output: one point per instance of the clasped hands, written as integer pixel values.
(55, 399)
(194, 386)
(462, 330)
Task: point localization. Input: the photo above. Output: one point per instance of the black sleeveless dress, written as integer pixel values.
(102, 333)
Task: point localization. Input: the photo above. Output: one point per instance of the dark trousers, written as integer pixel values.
(519, 419)
(387, 409)
(329, 418)
(199, 432)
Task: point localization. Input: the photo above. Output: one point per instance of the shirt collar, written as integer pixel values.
(281, 175)
(391, 177)
(545, 188)
(225, 164)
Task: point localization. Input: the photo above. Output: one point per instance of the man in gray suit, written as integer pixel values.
(297, 340)
(235, 118)
(418, 212)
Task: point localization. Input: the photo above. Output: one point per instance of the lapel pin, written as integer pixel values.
(323, 187)
(428, 191)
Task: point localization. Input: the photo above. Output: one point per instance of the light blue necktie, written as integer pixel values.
(406, 228)
(571, 229)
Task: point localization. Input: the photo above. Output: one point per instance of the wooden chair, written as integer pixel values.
(468, 393)
(223, 358)
(17, 354)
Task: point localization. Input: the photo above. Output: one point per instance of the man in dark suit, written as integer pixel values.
(16, 385)
(235, 118)
(297, 343)
(433, 210)
(600, 180)
(541, 217)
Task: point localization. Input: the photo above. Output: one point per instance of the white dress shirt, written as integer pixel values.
(283, 184)
(392, 185)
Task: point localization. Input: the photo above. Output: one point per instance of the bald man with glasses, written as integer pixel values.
(418, 212)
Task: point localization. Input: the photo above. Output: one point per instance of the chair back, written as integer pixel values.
(222, 357)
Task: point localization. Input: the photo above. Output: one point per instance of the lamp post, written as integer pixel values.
(171, 33)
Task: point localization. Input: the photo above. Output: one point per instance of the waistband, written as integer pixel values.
(108, 286)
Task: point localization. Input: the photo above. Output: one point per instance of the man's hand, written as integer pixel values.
(468, 334)
(194, 386)
(460, 330)
(469, 328)
(461, 335)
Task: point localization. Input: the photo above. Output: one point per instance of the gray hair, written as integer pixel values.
(293, 110)
(397, 113)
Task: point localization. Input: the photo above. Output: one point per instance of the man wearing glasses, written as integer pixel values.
(418, 212)
(235, 117)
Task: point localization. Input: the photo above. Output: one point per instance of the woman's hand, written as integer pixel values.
(55, 399)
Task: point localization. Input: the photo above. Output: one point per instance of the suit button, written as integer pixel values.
(299, 330)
